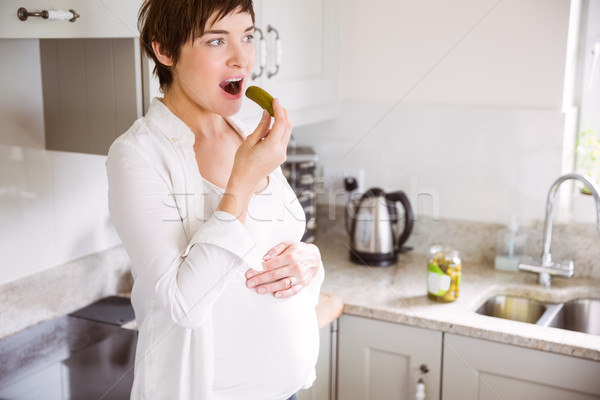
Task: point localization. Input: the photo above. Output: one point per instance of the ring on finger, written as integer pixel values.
(292, 280)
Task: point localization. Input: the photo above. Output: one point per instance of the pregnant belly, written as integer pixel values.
(263, 346)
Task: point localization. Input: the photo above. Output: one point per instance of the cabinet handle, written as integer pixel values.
(420, 392)
(262, 54)
(53, 15)
(278, 51)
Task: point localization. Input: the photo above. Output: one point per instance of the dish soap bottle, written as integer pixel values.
(508, 248)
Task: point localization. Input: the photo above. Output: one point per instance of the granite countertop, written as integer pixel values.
(398, 294)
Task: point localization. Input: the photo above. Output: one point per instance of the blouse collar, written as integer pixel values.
(169, 124)
(175, 129)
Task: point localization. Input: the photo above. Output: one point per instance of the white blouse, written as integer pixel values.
(202, 333)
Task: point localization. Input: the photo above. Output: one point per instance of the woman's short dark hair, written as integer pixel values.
(173, 22)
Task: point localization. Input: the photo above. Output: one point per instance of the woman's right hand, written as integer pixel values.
(262, 151)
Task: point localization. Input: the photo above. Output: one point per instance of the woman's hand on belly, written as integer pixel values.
(287, 269)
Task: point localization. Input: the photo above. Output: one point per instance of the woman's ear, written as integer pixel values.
(162, 56)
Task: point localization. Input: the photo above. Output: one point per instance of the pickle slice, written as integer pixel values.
(261, 97)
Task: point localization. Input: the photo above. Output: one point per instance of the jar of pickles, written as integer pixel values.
(443, 273)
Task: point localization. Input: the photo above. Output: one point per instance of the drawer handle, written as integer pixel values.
(278, 51)
(53, 15)
(262, 54)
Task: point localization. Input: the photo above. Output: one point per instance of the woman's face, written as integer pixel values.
(213, 70)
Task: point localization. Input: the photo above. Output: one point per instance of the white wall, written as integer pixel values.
(461, 98)
(53, 205)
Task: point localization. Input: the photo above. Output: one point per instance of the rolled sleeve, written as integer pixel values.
(227, 232)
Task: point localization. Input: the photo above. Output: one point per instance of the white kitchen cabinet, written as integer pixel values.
(307, 78)
(306, 81)
(97, 19)
(380, 360)
(476, 369)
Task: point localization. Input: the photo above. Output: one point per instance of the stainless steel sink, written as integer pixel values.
(514, 308)
(579, 315)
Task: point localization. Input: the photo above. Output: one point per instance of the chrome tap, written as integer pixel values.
(547, 267)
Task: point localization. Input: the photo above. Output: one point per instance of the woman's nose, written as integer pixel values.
(241, 55)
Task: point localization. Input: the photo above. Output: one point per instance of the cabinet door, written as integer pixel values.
(97, 19)
(307, 78)
(381, 360)
(482, 370)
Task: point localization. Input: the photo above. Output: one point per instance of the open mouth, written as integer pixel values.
(232, 85)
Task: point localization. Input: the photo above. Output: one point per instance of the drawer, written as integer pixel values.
(97, 19)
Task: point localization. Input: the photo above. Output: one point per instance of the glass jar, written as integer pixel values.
(443, 273)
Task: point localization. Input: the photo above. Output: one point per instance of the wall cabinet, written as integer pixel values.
(380, 360)
(302, 70)
(90, 69)
(306, 79)
(476, 369)
(97, 19)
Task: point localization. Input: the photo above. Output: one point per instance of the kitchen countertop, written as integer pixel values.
(398, 293)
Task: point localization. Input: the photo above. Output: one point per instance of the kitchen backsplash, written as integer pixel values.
(463, 162)
(476, 241)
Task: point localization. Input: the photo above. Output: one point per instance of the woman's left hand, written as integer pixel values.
(288, 267)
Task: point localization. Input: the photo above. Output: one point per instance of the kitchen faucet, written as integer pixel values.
(547, 267)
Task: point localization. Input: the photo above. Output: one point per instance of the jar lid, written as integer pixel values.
(443, 250)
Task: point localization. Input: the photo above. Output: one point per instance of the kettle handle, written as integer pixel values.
(408, 216)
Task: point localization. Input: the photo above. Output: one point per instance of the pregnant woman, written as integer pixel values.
(224, 291)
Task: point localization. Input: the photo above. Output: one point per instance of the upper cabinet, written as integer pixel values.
(297, 57)
(96, 19)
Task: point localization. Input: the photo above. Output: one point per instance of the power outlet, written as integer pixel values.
(331, 189)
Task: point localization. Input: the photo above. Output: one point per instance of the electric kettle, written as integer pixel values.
(373, 222)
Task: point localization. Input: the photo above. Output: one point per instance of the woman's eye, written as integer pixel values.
(249, 38)
(216, 42)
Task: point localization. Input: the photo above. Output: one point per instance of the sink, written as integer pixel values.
(579, 315)
(514, 308)
(582, 315)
